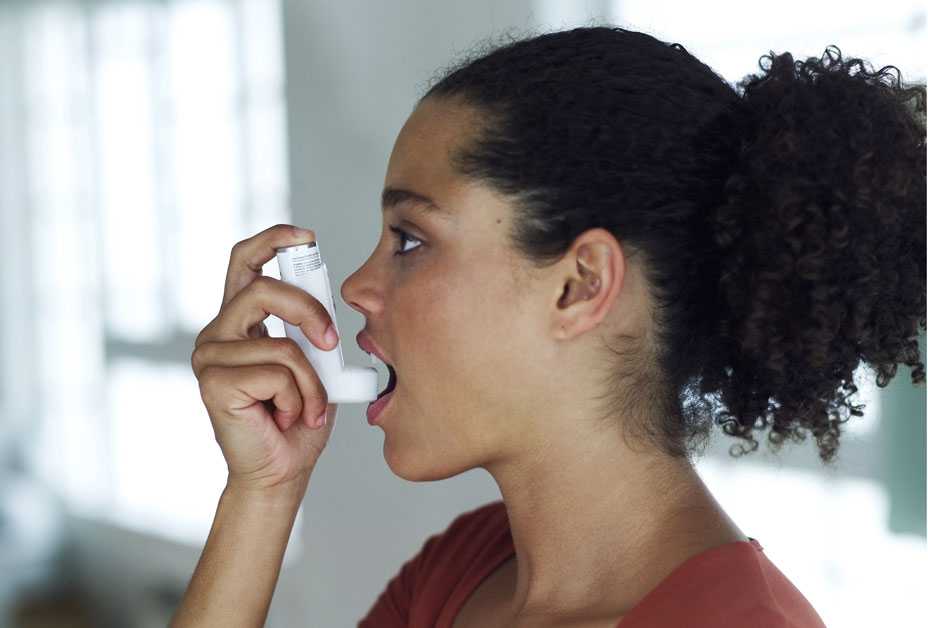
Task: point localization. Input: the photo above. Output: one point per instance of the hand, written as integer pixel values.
(261, 392)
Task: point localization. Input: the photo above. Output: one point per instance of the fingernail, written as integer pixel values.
(331, 337)
(322, 418)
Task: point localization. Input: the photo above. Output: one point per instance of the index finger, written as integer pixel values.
(249, 255)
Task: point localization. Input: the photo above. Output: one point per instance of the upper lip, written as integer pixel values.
(367, 343)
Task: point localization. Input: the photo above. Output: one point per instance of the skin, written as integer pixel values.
(499, 367)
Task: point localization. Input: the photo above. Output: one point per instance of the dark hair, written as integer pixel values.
(780, 225)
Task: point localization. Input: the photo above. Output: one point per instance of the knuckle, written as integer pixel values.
(287, 349)
(199, 357)
(204, 334)
(239, 246)
(262, 284)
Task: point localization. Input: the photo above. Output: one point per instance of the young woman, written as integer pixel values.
(594, 250)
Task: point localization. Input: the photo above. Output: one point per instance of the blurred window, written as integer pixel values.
(141, 141)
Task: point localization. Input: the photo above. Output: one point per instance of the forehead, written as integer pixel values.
(422, 151)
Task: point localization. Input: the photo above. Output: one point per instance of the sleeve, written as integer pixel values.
(392, 607)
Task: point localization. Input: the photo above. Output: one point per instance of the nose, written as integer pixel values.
(360, 292)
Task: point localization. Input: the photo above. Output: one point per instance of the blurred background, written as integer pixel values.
(140, 140)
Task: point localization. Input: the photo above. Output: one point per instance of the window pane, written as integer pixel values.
(266, 149)
(167, 467)
(206, 160)
(124, 99)
(133, 119)
(263, 48)
(66, 445)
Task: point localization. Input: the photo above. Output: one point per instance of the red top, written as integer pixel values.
(730, 585)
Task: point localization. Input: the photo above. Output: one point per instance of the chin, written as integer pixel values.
(412, 466)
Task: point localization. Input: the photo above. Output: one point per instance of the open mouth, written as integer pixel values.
(391, 384)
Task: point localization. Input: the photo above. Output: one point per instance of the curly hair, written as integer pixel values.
(780, 223)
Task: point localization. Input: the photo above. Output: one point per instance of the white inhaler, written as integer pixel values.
(301, 265)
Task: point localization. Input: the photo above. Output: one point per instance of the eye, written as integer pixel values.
(401, 236)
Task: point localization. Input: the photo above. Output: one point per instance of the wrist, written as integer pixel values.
(288, 493)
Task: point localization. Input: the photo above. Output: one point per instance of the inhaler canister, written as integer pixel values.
(301, 265)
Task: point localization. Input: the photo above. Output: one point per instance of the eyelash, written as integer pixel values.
(402, 235)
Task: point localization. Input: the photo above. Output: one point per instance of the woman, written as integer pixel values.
(594, 250)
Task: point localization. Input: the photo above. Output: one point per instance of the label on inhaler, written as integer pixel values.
(303, 263)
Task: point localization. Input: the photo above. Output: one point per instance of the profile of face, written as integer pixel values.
(465, 324)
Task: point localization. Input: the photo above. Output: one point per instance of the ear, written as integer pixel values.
(594, 269)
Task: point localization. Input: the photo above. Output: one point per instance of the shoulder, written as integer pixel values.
(773, 598)
(735, 584)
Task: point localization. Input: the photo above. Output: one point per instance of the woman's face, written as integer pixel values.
(467, 346)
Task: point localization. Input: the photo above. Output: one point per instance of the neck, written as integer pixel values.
(596, 525)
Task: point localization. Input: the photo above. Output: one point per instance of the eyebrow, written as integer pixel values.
(392, 197)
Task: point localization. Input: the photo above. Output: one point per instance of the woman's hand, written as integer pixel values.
(262, 394)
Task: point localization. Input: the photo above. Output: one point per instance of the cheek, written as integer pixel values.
(459, 335)
(432, 318)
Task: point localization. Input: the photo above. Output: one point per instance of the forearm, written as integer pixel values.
(235, 578)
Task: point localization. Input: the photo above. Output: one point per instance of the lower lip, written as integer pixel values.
(375, 409)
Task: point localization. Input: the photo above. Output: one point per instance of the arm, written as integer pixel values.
(235, 578)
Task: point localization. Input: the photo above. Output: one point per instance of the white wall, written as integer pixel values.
(354, 70)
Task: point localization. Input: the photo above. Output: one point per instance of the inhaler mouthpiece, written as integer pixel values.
(301, 265)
